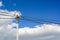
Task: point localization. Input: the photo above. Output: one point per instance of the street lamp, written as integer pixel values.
(17, 17)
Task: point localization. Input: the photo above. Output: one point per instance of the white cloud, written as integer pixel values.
(6, 21)
(1, 4)
(44, 32)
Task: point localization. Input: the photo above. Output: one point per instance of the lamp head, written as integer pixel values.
(17, 17)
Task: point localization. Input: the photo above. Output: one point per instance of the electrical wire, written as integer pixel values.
(36, 19)
(7, 18)
(5, 14)
(41, 20)
(29, 19)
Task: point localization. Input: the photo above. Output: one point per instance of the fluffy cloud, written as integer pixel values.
(12, 14)
(1, 4)
(44, 32)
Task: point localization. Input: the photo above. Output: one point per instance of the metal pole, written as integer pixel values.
(17, 19)
(17, 38)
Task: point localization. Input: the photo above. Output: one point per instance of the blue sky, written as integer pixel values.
(42, 9)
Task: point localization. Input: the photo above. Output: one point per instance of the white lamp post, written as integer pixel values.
(17, 19)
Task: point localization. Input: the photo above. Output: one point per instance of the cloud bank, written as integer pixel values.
(43, 32)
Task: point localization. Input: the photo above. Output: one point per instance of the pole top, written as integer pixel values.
(17, 17)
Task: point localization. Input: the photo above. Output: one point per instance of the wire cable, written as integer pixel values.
(40, 20)
(36, 19)
(5, 14)
(7, 18)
